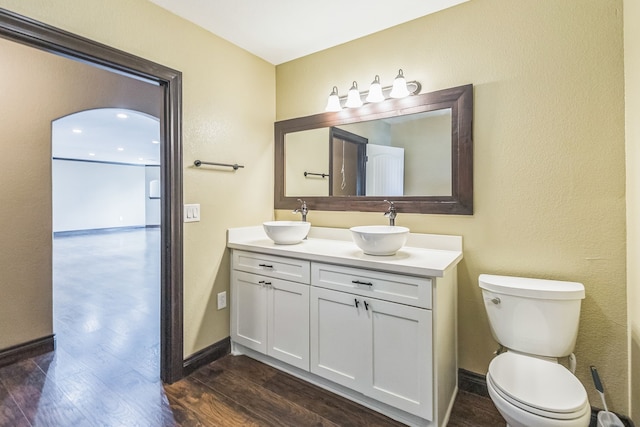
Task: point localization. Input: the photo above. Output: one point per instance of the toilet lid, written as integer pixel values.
(540, 384)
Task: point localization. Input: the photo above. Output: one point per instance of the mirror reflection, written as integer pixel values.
(406, 155)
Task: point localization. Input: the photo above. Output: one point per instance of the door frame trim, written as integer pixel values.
(36, 34)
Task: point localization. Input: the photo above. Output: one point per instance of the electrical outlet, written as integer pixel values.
(222, 300)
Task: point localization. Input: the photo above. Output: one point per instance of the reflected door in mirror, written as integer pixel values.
(385, 170)
(347, 159)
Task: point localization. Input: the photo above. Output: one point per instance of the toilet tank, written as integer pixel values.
(533, 316)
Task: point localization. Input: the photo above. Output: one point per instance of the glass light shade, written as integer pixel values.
(333, 104)
(375, 91)
(353, 97)
(399, 89)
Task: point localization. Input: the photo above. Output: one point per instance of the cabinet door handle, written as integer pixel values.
(357, 302)
(268, 284)
(366, 306)
(265, 265)
(358, 282)
(261, 282)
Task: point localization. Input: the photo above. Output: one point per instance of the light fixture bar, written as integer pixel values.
(413, 86)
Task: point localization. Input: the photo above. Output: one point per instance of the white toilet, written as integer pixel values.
(537, 322)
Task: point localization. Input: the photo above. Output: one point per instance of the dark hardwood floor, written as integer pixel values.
(105, 369)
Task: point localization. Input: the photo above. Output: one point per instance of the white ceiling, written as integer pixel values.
(98, 135)
(282, 30)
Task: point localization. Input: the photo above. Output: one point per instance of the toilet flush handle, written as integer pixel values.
(492, 298)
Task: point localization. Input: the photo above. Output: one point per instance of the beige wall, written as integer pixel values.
(632, 91)
(219, 124)
(548, 153)
(38, 88)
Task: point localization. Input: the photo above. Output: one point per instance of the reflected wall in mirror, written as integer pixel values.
(417, 151)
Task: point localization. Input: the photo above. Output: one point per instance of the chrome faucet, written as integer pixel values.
(302, 209)
(391, 213)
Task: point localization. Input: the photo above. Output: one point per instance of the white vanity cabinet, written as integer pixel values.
(269, 314)
(379, 348)
(381, 331)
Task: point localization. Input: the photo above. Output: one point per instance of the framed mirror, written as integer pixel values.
(416, 151)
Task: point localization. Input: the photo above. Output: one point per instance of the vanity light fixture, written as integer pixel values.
(399, 89)
(333, 104)
(376, 93)
(353, 97)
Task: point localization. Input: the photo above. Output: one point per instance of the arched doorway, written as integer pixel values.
(106, 238)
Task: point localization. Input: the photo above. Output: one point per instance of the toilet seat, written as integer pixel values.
(538, 386)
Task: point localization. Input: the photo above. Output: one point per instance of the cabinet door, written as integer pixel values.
(401, 368)
(340, 338)
(249, 310)
(288, 320)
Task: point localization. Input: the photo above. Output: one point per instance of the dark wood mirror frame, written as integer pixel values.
(459, 99)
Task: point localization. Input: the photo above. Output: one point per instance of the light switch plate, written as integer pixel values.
(222, 300)
(192, 212)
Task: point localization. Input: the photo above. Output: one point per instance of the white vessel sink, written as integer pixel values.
(379, 239)
(286, 232)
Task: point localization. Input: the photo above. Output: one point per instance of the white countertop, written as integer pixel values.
(423, 255)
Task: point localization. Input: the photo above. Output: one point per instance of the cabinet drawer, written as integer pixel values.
(410, 290)
(272, 266)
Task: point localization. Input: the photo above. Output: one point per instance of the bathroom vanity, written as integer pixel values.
(379, 330)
